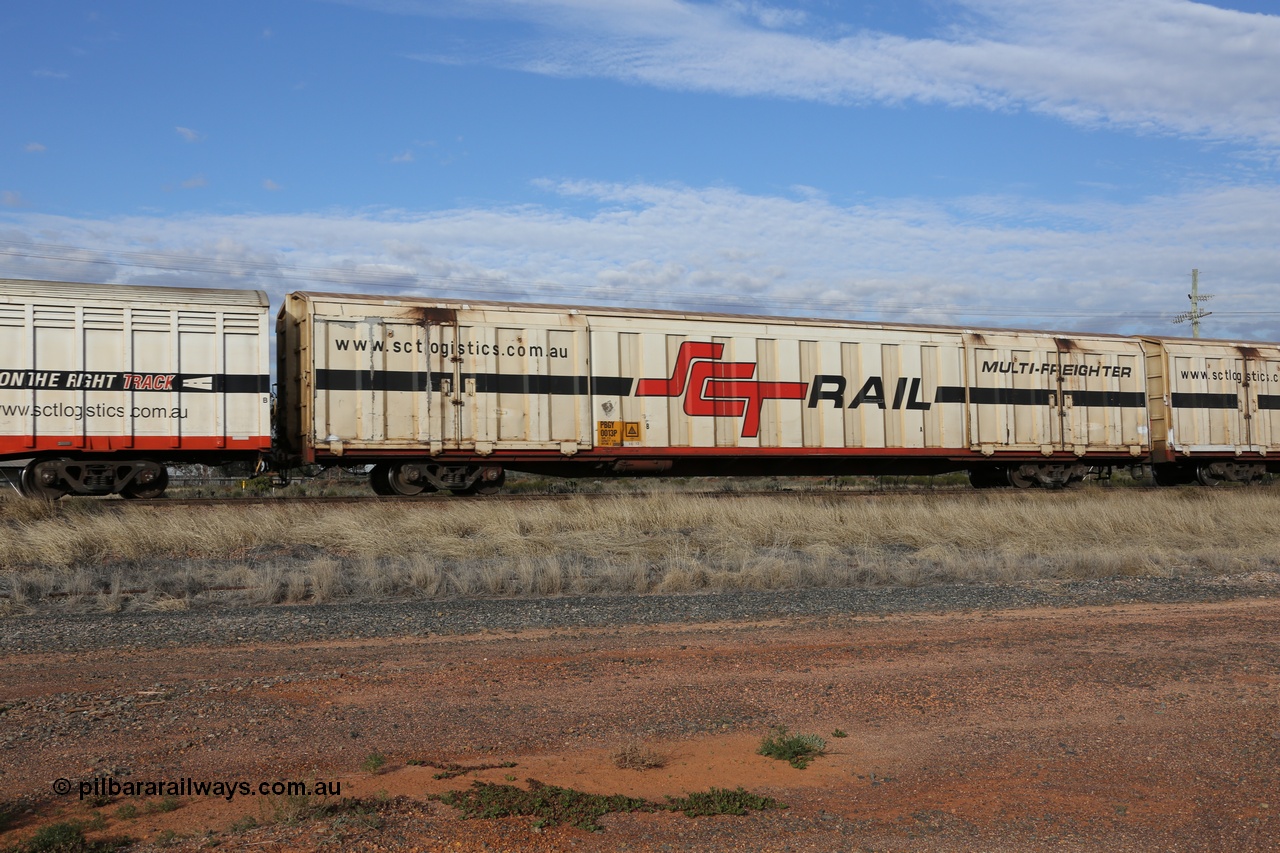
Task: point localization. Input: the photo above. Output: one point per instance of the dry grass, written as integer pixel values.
(84, 554)
(635, 756)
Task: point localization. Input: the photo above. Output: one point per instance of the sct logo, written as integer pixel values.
(721, 389)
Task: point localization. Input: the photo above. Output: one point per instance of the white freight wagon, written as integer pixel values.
(102, 385)
(1215, 409)
(441, 394)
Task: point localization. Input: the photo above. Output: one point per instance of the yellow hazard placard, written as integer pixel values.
(608, 433)
(630, 430)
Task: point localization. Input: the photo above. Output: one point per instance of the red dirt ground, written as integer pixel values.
(1144, 727)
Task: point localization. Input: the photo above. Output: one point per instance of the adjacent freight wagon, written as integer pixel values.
(1215, 410)
(102, 386)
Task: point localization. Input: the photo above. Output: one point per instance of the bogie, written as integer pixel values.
(50, 479)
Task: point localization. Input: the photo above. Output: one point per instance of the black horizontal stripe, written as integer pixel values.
(1009, 396)
(1269, 402)
(485, 383)
(377, 380)
(234, 383)
(1204, 401)
(509, 383)
(612, 386)
(621, 386)
(142, 381)
(1039, 397)
(1108, 399)
(949, 394)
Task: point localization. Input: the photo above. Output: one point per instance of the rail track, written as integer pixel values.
(526, 497)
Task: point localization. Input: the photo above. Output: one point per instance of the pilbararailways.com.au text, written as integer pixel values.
(228, 789)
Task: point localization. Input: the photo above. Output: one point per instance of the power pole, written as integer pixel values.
(1196, 313)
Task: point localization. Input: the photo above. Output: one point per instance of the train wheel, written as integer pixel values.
(491, 483)
(401, 482)
(1206, 477)
(379, 479)
(149, 490)
(1019, 480)
(39, 482)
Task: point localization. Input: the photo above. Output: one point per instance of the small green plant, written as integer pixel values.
(166, 804)
(128, 811)
(721, 801)
(839, 733)
(244, 824)
(452, 769)
(292, 809)
(353, 812)
(374, 762)
(57, 837)
(550, 805)
(797, 750)
(66, 837)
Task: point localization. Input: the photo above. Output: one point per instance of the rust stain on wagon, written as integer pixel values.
(424, 315)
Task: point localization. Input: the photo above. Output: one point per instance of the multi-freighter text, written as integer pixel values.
(1031, 368)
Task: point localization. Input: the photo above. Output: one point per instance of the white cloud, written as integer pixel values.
(189, 135)
(981, 261)
(46, 74)
(35, 148)
(1149, 65)
(405, 156)
(270, 185)
(11, 198)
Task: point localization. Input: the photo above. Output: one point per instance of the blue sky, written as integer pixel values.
(973, 162)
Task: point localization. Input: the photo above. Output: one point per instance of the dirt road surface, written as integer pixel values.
(1135, 727)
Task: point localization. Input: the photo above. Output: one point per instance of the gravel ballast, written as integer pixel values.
(219, 626)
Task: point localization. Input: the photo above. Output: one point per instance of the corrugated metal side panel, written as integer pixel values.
(17, 426)
(1223, 398)
(731, 383)
(1206, 398)
(393, 375)
(368, 372)
(1048, 393)
(520, 381)
(1265, 399)
(118, 375)
(1103, 395)
(1010, 383)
